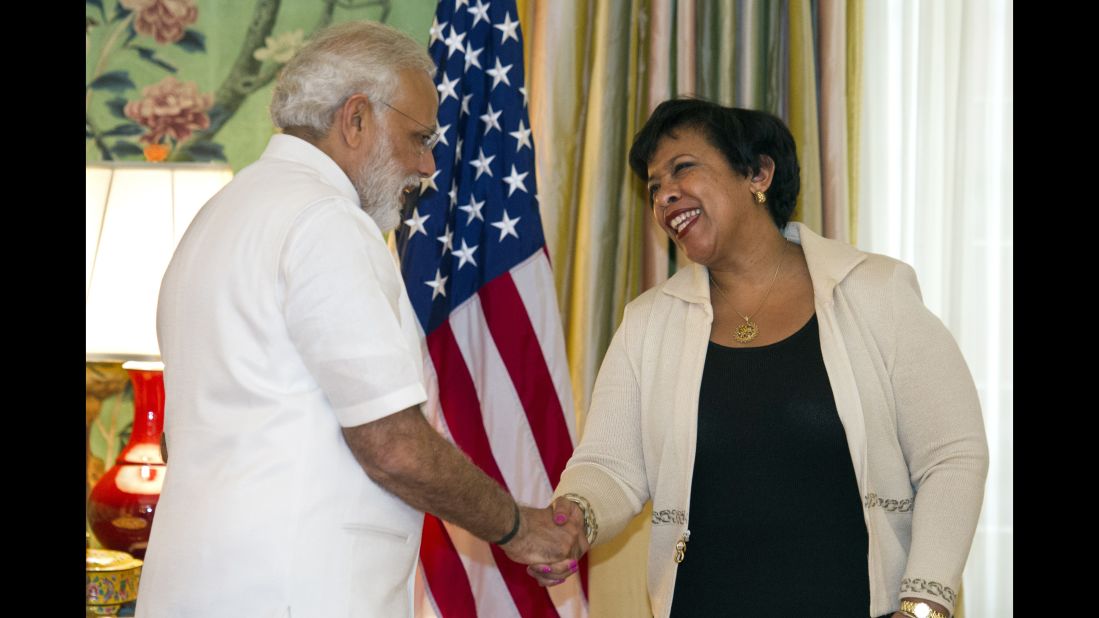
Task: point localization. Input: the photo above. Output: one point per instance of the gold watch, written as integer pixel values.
(919, 609)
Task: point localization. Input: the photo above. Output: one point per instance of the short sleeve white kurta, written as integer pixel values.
(282, 318)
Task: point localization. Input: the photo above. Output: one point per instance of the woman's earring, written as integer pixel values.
(761, 198)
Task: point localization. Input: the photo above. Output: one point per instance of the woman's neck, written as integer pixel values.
(753, 259)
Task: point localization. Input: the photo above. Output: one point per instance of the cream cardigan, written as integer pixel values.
(904, 395)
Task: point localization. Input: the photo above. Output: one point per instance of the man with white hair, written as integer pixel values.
(292, 366)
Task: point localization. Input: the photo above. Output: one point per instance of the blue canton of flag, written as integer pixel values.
(477, 216)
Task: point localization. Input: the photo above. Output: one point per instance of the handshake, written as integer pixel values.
(550, 541)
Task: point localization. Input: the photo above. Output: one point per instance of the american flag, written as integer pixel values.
(475, 264)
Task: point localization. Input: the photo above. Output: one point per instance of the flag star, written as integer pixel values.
(429, 183)
(479, 12)
(491, 119)
(465, 254)
(523, 90)
(438, 286)
(508, 29)
(416, 223)
(474, 209)
(472, 59)
(458, 152)
(446, 89)
(499, 74)
(522, 136)
(459, 3)
(465, 103)
(436, 31)
(447, 239)
(454, 42)
(453, 192)
(482, 164)
(515, 181)
(507, 226)
(442, 134)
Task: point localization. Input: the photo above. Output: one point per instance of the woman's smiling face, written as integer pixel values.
(697, 198)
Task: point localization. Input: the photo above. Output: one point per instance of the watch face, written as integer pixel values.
(922, 610)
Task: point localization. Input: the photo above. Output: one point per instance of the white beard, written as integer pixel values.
(379, 182)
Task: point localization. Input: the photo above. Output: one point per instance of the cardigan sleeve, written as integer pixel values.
(942, 436)
(608, 468)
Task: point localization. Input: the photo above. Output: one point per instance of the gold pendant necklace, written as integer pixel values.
(749, 330)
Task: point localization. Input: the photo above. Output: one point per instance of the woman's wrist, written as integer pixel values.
(591, 526)
(915, 607)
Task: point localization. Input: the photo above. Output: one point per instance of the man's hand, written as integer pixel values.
(566, 515)
(540, 540)
(405, 455)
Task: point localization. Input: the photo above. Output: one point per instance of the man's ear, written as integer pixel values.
(355, 120)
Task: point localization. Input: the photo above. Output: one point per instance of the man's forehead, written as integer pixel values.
(417, 92)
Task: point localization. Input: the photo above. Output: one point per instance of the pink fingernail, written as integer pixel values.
(545, 569)
(573, 566)
(560, 518)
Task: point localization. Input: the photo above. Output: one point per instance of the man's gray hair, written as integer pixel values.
(340, 61)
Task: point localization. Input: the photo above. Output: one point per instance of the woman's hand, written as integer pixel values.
(565, 513)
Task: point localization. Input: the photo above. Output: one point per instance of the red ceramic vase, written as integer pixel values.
(122, 503)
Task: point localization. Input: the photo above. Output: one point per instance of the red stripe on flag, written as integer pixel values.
(522, 355)
(462, 410)
(458, 401)
(532, 600)
(446, 576)
(584, 575)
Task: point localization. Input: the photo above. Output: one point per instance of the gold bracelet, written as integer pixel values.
(920, 609)
(591, 528)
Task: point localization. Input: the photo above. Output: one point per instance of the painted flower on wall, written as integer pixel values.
(164, 20)
(282, 47)
(170, 108)
(176, 122)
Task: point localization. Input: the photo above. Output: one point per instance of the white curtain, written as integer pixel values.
(935, 190)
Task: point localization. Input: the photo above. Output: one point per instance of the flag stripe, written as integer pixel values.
(514, 336)
(443, 571)
(510, 436)
(533, 277)
(462, 411)
(489, 588)
(532, 600)
(459, 403)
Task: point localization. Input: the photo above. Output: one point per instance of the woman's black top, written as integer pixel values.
(775, 519)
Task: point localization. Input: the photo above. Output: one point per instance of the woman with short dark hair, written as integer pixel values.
(808, 432)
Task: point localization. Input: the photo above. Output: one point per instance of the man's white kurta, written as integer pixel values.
(282, 318)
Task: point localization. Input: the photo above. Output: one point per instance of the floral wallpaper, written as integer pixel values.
(189, 80)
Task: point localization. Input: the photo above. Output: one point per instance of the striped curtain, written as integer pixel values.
(596, 71)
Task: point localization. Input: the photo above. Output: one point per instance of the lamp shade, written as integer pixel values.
(136, 213)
